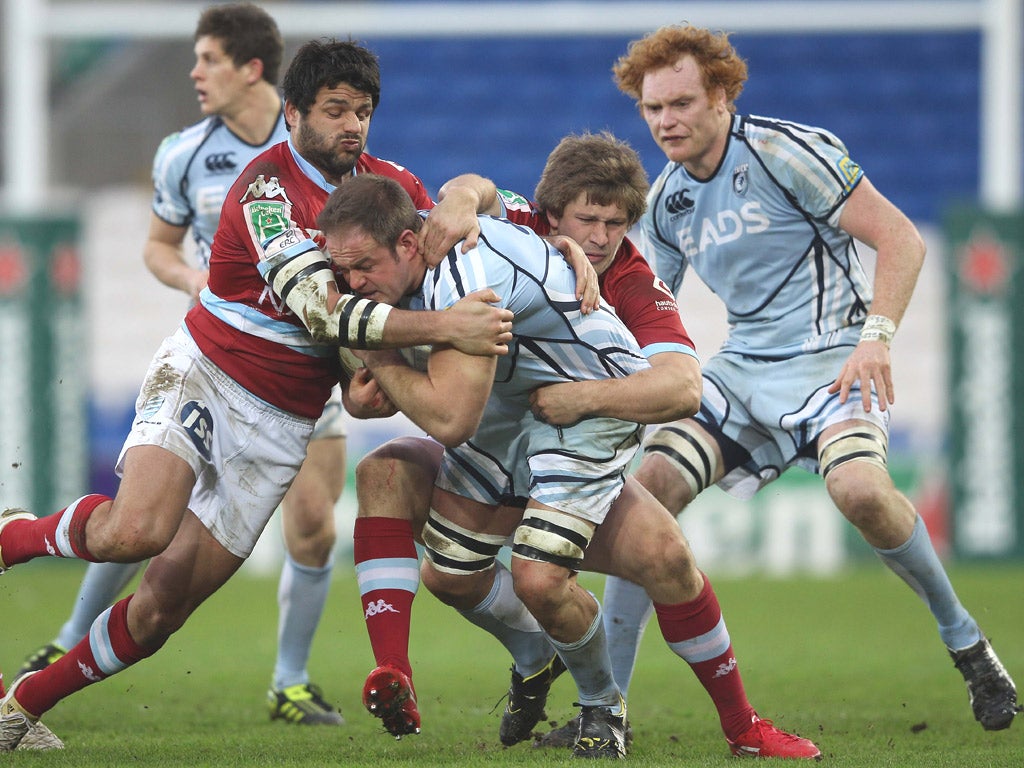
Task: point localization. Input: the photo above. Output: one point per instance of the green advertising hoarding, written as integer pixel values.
(986, 345)
(43, 373)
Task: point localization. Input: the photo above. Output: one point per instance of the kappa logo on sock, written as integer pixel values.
(725, 669)
(381, 606)
(88, 672)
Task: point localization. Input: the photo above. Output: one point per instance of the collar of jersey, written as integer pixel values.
(307, 168)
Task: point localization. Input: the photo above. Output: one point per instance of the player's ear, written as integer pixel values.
(291, 114)
(717, 97)
(408, 244)
(553, 221)
(254, 71)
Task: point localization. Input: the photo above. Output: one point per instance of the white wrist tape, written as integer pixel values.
(878, 328)
(360, 322)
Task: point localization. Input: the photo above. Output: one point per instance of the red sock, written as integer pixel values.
(61, 534)
(388, 573)
(696, 632)
(80, 667)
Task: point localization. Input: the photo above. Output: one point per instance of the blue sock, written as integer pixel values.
(627, 610)
(503, 614)
(301, 595)
(588, 663)
(916, 563)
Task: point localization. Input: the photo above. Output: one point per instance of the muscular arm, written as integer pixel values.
(300, 273)
(472, 326)
(480, 191)
(165, 258)
(447, 400)
(454, 217)
(670, 389)
(869, 217)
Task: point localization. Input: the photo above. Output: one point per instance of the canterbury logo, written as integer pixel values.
(381, 606)
(221, 162)
(725, 669)
(679, 202)
(88, 672)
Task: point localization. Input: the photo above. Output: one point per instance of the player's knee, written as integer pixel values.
(443, 586)
(667, 570)
(312, 551)
(541, 586)
(395, 479)
(379, 464)
(155, 620)
(863, 493)
(140, 548)
(132, 541)
(309, 530)
(854, 464)
(158, 627)
(459, 590)
(678, 464)
(457, 561)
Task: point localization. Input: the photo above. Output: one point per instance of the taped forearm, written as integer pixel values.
(358, 323)
(301, 275)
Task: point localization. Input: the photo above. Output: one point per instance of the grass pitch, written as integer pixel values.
(853, 662)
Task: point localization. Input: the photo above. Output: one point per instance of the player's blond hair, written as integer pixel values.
(720, 65)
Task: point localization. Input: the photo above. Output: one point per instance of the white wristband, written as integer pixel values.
(878, 328)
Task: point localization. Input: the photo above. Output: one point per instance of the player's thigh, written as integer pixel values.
(474, 516)
(309, 502)
(638, 538)
(151, 499)
(680, 460)
(321, 478)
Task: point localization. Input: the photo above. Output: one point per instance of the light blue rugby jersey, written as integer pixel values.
(763, 234)
(193, 170)
(553, 341)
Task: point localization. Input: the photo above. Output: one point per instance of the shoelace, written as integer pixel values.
(764, 725)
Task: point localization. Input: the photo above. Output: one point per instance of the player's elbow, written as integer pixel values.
(683, 404)
(920, 248)
(454, 431)
(680, 386)
(690, 391)
(451, 437)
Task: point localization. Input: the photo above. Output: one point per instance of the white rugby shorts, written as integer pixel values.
(332, 422)
(244, 451)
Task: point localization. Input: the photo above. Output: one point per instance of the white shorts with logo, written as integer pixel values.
(332, 422)
(244, 452)
(767, 414)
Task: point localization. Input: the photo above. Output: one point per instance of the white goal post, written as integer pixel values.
(29, 26)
